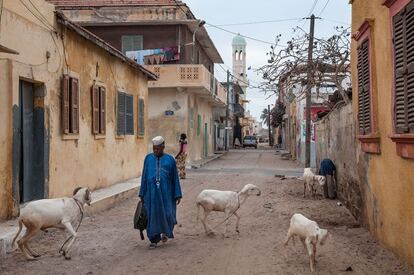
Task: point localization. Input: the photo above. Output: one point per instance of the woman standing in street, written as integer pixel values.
(182, 156)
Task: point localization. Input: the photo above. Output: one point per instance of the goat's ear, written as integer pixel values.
(76, 190)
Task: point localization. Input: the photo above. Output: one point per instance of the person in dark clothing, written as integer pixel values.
(279, 141)
(328, 170)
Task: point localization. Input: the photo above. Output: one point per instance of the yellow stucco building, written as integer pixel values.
(73, 110)
(383, 103)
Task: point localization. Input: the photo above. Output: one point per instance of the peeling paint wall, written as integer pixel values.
(335, 139)
(388, 179)
(85, 161)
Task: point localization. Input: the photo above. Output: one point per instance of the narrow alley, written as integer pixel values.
(108, 244)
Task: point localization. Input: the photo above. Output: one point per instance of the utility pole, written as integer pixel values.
(309, 92)
(227, 112)
(268, 124)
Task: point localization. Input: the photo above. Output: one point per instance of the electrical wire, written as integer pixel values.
(46, 25)
(324, 7)
(240, 80)
(313, 7)
(228, 67)
(245, 36)
(336, 21)
(259, 22)
(41, 15)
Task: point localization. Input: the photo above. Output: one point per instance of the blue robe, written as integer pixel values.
(160, 188)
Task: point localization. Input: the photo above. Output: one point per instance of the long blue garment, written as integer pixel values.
(327, 167)
(160, 188)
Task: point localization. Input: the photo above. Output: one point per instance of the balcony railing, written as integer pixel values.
(194, 77)
(238, 110)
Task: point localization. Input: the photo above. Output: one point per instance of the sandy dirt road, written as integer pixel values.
(108, 244)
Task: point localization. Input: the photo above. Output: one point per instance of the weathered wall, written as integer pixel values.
(86, 160)
(335, 139)
(5, 140)
(170, 127)
(114, 158)
(30, 65)
(388, 178)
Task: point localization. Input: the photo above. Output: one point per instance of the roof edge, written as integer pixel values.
(65, 21)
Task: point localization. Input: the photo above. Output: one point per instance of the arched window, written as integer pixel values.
(241, 55)
(236, 55)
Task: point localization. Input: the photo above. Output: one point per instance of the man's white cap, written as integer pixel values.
(158, 140)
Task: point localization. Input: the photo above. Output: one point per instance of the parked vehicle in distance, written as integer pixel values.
(250, 141)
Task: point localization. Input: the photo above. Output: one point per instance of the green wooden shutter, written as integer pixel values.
(191, 118)
(129, 114)
(141, 117)
(198, 125)
(121, 114)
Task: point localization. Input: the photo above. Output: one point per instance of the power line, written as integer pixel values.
(37, 17)
(241, 80)
(324, 7)
(245, 36)
(41, 15)
(313, 7)
(259, 22)
(336, 21)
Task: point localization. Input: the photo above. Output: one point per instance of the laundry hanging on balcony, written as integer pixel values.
(154, 56)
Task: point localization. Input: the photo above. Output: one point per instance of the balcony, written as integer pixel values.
(194, 78)
(238, 110)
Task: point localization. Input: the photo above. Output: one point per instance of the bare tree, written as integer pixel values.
(331, 62)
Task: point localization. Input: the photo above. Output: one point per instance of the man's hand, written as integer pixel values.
(178, 201)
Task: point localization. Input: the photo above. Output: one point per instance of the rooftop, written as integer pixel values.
(62, 19)
(115, 3)
(134, 12)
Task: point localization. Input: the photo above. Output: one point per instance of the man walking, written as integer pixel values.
(160, 192)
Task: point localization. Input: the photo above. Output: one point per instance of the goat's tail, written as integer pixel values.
(18, 232)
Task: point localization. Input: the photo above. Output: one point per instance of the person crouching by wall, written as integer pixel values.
(181, 157)
(328, 170)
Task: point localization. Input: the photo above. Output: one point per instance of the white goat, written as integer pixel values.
(224, 201)
(309, 233)
(60, 213)
(309, 182)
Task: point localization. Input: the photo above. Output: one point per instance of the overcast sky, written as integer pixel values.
(223, 12)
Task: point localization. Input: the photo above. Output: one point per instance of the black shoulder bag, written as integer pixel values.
(140, 219)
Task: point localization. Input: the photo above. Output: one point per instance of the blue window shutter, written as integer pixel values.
(121, 114)
(129, 114)
(141, 117)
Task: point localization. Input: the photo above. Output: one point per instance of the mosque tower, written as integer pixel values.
(239, 63)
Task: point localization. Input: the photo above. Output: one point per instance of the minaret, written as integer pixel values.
(239, 63)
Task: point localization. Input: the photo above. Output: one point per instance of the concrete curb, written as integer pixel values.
(102, 199)
(205, 161)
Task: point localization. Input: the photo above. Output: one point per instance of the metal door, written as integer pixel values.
(29, 188)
